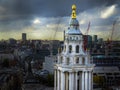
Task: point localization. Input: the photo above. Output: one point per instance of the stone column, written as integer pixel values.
(83, 80)
(55, 84)
(71, 81)
(58, 61)
(80, 81)
(86, 80)
(90, 81)
(76, 78)
(66, 81)
(74, 62)
(74, 48)
(62, 81)
(58, 80)
(67, 49)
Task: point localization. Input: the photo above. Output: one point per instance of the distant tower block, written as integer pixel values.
(24, 37)
(73, 70)
(95, 38)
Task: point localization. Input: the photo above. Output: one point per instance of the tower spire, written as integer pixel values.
(73, 64)
(73, 11)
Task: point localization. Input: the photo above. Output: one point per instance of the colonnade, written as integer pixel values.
(82, 80)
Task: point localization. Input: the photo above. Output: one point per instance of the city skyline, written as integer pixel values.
(46, 19)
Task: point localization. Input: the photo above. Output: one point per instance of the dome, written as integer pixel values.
(74, 27)
(73, 32)
(74, 22)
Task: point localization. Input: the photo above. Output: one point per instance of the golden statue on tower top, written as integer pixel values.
(73, 11)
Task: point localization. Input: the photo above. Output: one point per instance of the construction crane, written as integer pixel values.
(54, 35)
(86, 37)
(113, 28)
(110, 41)
(87, 29)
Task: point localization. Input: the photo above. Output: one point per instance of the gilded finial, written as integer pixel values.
(73, 7)
(73, 11)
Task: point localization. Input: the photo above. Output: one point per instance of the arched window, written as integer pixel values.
(61, 60)
(67, 61)
(64, 48)
(77, 60)
(83, 60)
(77, 49)
(76, 27)
(70, 49)
(76, 38)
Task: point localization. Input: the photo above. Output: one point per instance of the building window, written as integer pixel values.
(76, 38)
(67, 61)
(76, 27)
(77, 60)
(77, 49)
(70, 49)
(83, 60)
(64, 48)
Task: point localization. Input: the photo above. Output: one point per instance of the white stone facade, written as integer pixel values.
(73, 70)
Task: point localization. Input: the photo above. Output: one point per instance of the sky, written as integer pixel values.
(47, 19)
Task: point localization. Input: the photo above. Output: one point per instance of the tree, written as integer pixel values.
(99, 80)
(5, 62)
(50, 80)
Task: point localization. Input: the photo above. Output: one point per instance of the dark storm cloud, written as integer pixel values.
(49, 8)
(56, 7)
(14, 25)
(11, 10)
(19, 15)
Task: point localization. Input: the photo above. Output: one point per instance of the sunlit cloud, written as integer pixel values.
(82, 22)
(109, 11)
(36, 21)
(39, 27)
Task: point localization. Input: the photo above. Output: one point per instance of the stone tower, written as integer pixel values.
(73, 70)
